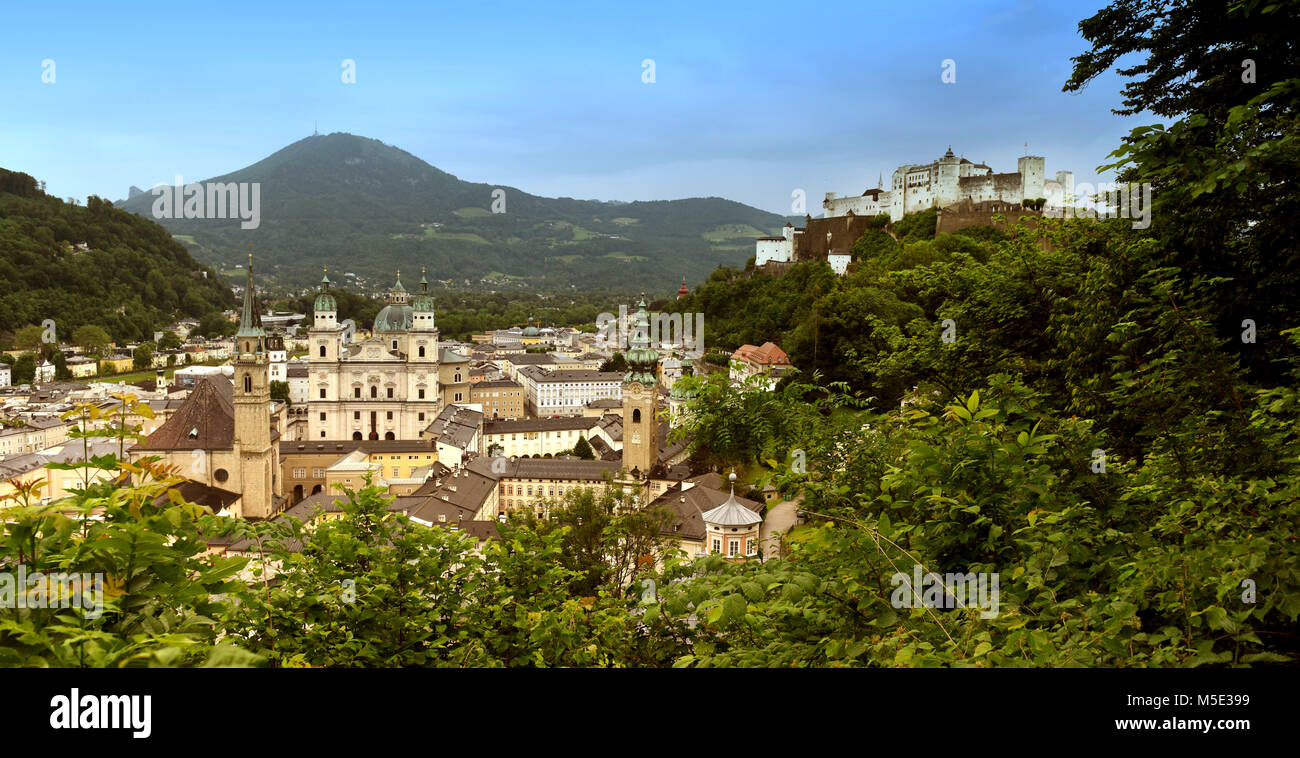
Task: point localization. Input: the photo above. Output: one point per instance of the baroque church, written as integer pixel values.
(384, 387)
(221, 438)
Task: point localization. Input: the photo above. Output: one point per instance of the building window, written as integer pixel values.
(356, 415)
(458, 398)
(322, 394)
(458, 376)
(356, 392)
(421, 416)
(300, 473)
(248, 383)
(390, 393)
(322, 350)
(735, 547)
(717, 545)
(421, 394)
(750, 547)
(390, 415)
(374, 392)
(636, 415)
(318, 473)
(421, 351)
(322, 433)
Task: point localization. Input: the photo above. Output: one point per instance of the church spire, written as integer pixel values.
(250, 320)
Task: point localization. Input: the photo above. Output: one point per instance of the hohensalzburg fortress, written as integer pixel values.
(951, 180)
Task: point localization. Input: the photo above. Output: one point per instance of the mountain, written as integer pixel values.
(361, 206)
(94, 264)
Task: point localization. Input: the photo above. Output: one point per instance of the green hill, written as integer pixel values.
(94, 265)
(358, 205)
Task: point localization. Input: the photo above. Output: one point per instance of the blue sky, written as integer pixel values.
(750, 101)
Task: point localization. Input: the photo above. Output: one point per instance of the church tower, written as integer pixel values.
(252, 401)
(640, 393)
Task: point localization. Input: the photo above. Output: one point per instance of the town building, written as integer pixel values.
(566, 392)
(767, 360)
(501, 399)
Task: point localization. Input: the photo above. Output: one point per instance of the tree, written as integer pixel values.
(160, 591)
(61, 371)
(28, 338)
(280, 391)
(169, 341)
(583, 450)
(1223, 175)
(615, 363)
(24, 371)
(92, 339)
(607, 539)
(142, 358)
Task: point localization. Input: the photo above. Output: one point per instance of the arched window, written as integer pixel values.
(322, 350)
(374, 391)
(636, 415)
(248, 383)
(389, 436)
(356, 435)
(421, 351)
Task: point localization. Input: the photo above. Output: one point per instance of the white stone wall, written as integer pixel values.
(839, 263)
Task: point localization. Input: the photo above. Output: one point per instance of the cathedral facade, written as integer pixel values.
(384, 387)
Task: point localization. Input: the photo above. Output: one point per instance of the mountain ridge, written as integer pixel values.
(355, 202)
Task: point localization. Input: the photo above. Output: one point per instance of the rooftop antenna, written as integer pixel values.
(315, 128)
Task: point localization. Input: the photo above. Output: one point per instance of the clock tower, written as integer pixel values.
(640, 396)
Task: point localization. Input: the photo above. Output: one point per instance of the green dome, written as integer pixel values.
(326, 302)
(394, 318)
(422, 303)
(530, 331)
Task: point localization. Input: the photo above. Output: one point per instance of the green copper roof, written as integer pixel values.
(250, 320)
(641, 359)
(394, 318)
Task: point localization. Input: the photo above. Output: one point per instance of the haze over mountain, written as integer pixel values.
(361, 206)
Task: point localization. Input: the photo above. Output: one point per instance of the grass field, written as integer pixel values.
(732, 231)
(431, 233)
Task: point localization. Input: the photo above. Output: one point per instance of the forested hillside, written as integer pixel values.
(357, 204)
(93, 265)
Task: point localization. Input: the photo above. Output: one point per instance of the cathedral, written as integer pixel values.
(384, 387)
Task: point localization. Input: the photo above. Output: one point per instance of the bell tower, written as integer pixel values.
(252, 400)
(640, 396)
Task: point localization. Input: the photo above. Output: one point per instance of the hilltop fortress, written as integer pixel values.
(947, 183)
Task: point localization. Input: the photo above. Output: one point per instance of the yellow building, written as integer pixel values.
(116, 364)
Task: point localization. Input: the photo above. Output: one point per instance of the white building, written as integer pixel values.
(950, 180)
(567, 392)
(6, 375)
(780, 249)
(44, 372)
(279, 360)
